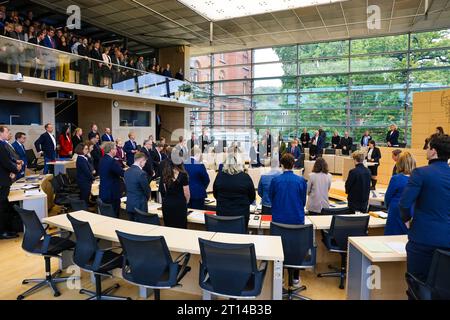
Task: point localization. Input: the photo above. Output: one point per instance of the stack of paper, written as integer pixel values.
(33, 192)
(381, 214)
(399, 247)
(377, 246)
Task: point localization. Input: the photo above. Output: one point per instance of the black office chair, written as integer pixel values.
(299, 252)
(33, 162)
(66, 184)
(336, 238)
(89, 257)
(227, 224)
(148, 218)
(78, 205)
(148, 263)
(437, 285)
(72, 175)
(105, 209)
(230, 270)
(62, 198)
(38, 242)
(336, 211)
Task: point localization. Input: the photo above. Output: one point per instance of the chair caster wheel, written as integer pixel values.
(20, 297)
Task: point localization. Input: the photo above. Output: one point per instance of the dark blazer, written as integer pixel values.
(128, 147)
(21, 153)
(76, 141)
(297, 153)
(368, 139)
(48, 43)
(204, 142)
(346, 142)
(148, 168)
(428, 191)
(110, 173)
(107, 138)
(138, 189)
(7, 165)
(44, 143)
(357, 187)
(234, 194)
(376, 155)
(393, 138)
(96, 155)
(198, 179)
(335, 141)
(156, 160)
(92, 134)
(84, 172)
(305, 139)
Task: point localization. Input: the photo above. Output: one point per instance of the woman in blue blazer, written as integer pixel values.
(85, 176)
(394, 224)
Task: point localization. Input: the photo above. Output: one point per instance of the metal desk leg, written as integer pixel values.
(277, 285)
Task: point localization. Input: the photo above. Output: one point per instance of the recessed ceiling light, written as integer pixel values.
(216, 10)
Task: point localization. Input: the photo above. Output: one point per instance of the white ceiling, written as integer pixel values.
(163, 23)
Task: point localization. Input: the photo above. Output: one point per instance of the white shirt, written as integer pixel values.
(53, 139)
(369, 154)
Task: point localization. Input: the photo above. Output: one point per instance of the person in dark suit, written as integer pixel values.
(130, 148)
(316, 146)
(9, 168)
(204, 140)
(83, 63)
(192, 142)
(148, 166)
(107, 136)
(77, 137)
(85, 172)
(392, 136)
(373, 155)
(234, 189)
(365, 139)
(346, 143)
(93, 132)
(19, 147)
(157, 158)
(198, 179)
(357, 185)
(427, 194)
(49, 42)
(305, 139)
(96, 64)
(110, 177)
(255, 161)
(96, 154)
(36, 55)
(335, 140)
(46, 145)
(137, 185)
(296, 153)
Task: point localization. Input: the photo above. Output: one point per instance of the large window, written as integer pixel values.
(355, 85)
(134, 118)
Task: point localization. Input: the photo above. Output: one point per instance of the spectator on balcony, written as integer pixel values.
(180, 75)
(115, 71)
(158, 69)
(35, 54)
(31, 33)
(167, 72)
(140, 64)
(106, 68)
(49, 42)
(83, 63)
(64, 60)
(18, 57)
(96, 54)
(59, 34)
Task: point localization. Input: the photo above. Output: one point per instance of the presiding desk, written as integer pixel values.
(60, 166)
(376, 268)
(181, 240)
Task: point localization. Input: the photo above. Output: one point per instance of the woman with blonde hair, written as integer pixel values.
(77, 137)
(233, 188)
(405, 165)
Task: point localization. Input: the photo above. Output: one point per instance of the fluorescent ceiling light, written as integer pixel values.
(216, 10)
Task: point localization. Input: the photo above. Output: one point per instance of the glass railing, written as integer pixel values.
(31, 60)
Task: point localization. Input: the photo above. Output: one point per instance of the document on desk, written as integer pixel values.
(33, 192)
(197, 216)
(29, 186)
(376, 246)
(153, 206)
(381, 214)
(399, 247)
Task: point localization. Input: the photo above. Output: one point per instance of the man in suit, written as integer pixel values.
(294, 149)
(107, 136)
(36, 55)
(428, 192)
(204, 140)
(83, 63)
(96, 153)
(346, 143)
(130, 148)
(305, 139)
(157, 158)
(110, 177)
(365, 139)
(93, 132)
(49, 42)
(137, 185)
(198, 179)
(19, 147)
(96, 64)
(192, 142)
(357, 185)
(9, 168)
(392, 136)
(46, 145)
(316, 147)
(148, 167)
(18, 58)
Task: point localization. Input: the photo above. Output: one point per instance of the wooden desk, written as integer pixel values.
(337, 191)
(384, 271)
(36, 202)
(44, 182)
(178, 241)
(60, 166)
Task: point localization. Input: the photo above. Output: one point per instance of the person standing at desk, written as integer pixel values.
(9, 168)
(174, 188)
(198, 179)
(335, 140)
(428, 193)
(85, 172)
(95, 153)
(130, 148)
(65, 143)
(157, 158)
(346, 143)
(19, 147)
(319, 184)
(137, 186)
(316, 146)
(77, 137)
(295, 151)
(255, 161)
(120, 155)
(204, 140)
(107, 136)
(357, 186)
(264, 185)
(234, 189)
(394, 224)
(148, 166)
(110, 178)
(392, 136)
(287, 194)
(305, 139)
(93, 132)
(374, 156)
(46, 145)
(365, 139)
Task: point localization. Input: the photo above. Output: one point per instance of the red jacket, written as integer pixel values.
(65, 146)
